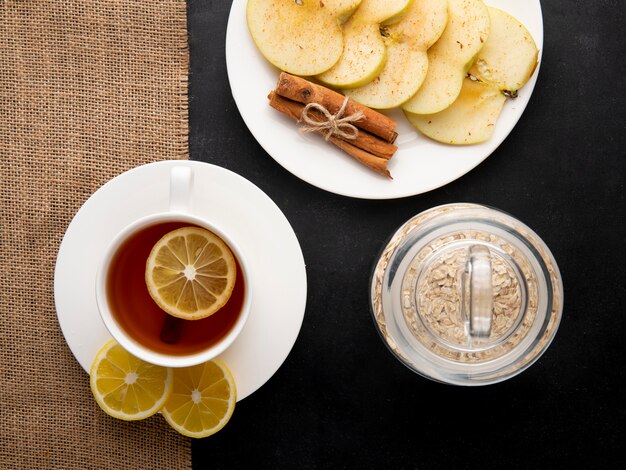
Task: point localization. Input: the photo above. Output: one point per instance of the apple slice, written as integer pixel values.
(508, 60)
(302, 37)
(407, 60)
(451, 57)
(509, 57)
(471, 119)
(364, 52)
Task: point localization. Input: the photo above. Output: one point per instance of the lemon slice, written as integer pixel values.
(203, 399)
(191, 273)
(126, 387)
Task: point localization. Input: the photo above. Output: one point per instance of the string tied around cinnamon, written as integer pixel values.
(334, 124)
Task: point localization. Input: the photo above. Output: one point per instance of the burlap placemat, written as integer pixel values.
(88, 89)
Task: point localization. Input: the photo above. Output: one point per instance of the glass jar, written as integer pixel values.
(467, 295)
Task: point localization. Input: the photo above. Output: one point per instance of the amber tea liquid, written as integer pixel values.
(143, 320)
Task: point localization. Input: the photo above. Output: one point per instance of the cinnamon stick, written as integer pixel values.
(372, 161)
(364, 139)
(303, 91)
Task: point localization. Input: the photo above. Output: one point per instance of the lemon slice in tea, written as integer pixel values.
(203, 399)
(191, 273)
(126, 387)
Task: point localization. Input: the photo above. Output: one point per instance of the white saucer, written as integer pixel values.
(232, 202)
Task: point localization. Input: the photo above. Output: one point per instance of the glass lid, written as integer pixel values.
(466, 294)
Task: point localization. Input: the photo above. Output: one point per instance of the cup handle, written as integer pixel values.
(181, 185)
(477, 294)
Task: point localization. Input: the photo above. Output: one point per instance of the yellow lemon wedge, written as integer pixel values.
(191, 273)
(203, 399)
(126, 387)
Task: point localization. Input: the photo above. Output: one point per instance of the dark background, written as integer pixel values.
(341, 400)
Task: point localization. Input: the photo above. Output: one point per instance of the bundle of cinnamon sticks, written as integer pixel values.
(371, 144)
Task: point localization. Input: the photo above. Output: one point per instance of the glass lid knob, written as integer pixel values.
(477, 293)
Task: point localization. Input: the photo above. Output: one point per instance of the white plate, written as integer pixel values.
(420, 164)
(276, 262)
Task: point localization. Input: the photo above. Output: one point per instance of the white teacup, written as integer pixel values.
(181, 181)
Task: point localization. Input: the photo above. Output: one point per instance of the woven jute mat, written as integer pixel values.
(88, 89)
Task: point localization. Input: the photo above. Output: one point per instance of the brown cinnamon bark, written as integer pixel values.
(364, 139)
(303, 91)
(374, 162)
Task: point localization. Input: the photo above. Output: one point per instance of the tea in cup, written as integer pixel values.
(130, 312)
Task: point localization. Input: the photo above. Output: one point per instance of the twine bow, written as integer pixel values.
(333, 124)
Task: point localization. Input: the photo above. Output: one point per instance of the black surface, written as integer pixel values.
(341, 400)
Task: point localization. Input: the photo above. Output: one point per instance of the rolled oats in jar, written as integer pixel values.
(466, 294)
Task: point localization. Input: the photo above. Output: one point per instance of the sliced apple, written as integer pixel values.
(302, 37)
(364, 50)
(471, 119)
(509, 57)
(451, 57)
(407, 60)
